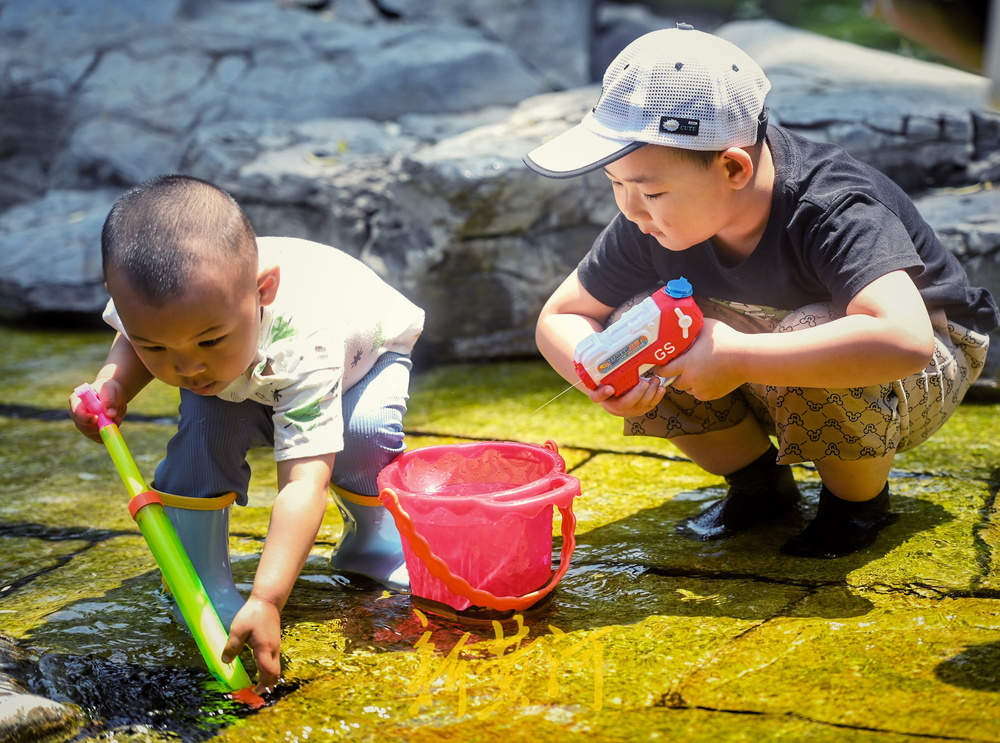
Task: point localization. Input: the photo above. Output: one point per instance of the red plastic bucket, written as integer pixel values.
(476, 521)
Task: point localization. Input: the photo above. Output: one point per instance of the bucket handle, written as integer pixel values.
(456, 583)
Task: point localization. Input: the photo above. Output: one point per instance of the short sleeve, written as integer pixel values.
(857, 241)
(617, 266)
(111, 317)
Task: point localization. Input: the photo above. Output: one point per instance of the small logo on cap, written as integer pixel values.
(672, 125)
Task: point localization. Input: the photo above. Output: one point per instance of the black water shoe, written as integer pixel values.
(759, 493)
(841, 526)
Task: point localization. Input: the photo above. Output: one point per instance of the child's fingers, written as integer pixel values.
(234, 644)
(670, 370)
(601, 394)
(644, 396)
(269, 668)
(108, 393)
(652, 394)
(85, 422)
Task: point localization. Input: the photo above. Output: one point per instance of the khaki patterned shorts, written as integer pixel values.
(811, 424)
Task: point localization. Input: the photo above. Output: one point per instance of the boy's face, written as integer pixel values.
(678, 201)
(204, 339)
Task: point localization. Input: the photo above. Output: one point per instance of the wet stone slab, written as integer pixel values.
(648, 637)
(911, 666)
(24, 556)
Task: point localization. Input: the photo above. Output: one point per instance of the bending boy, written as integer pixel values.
(835, 319)
(275, 342)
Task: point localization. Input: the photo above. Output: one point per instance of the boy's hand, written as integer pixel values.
(708, 369)
(257, 624)
(639, 400)
(109, 392)
(295, 519)
(705, 371)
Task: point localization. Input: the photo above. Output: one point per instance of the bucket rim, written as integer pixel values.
(512, 496)
(558, 490)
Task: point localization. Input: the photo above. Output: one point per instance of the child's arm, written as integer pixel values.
(570, 315)
(885, 335)
(295, 520)
(119, 380)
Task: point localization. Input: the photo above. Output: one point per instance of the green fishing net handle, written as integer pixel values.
(178, 573)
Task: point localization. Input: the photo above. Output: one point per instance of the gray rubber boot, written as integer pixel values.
(370, 545)
(205, 536)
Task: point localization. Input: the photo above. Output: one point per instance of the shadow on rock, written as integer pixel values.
(639, 566)
(978, 667)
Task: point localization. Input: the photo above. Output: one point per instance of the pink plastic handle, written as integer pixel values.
(93, 405)
(456, 583)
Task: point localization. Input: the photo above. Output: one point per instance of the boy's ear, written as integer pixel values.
(267, 284)
(739, 166)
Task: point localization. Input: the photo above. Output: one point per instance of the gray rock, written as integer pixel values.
(50, 254)
(438, 202)
(619, 23)
(28, 717)
(317, 179)
(24, 716)
(553, 37)
(968, 222)
(110, 102)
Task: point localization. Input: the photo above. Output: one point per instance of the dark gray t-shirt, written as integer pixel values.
(836, 225)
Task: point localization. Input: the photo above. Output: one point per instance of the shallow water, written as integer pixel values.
(648, 635)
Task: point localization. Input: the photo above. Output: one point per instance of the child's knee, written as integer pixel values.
(813, 424)
(370, 443)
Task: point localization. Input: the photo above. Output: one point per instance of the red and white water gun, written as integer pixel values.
(656, 330)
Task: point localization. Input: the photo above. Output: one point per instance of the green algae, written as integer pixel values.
(51, 475)
(965, 447)
(881, 670)
(615, 486)
(84, 581)
(28, 374)
(933, 542)
(613, 683)
(42, 367)
(988, 541)
(27, 556)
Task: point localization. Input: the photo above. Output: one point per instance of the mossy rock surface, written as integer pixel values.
(649, 636)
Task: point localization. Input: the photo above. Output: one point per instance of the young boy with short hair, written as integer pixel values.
(835, 319)
(274, 342)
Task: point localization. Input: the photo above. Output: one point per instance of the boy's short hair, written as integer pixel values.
(159, 233)
(705, 158)
(676, 87)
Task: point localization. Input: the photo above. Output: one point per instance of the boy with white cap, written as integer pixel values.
(835, 320)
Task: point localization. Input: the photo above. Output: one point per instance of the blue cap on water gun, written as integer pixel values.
(679, 288)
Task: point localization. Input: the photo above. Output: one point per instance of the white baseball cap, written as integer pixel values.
(676, 87)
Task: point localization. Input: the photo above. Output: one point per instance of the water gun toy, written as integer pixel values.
(656, 330)
(178, 573)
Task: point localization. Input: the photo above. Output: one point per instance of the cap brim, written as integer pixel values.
(575, 152)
